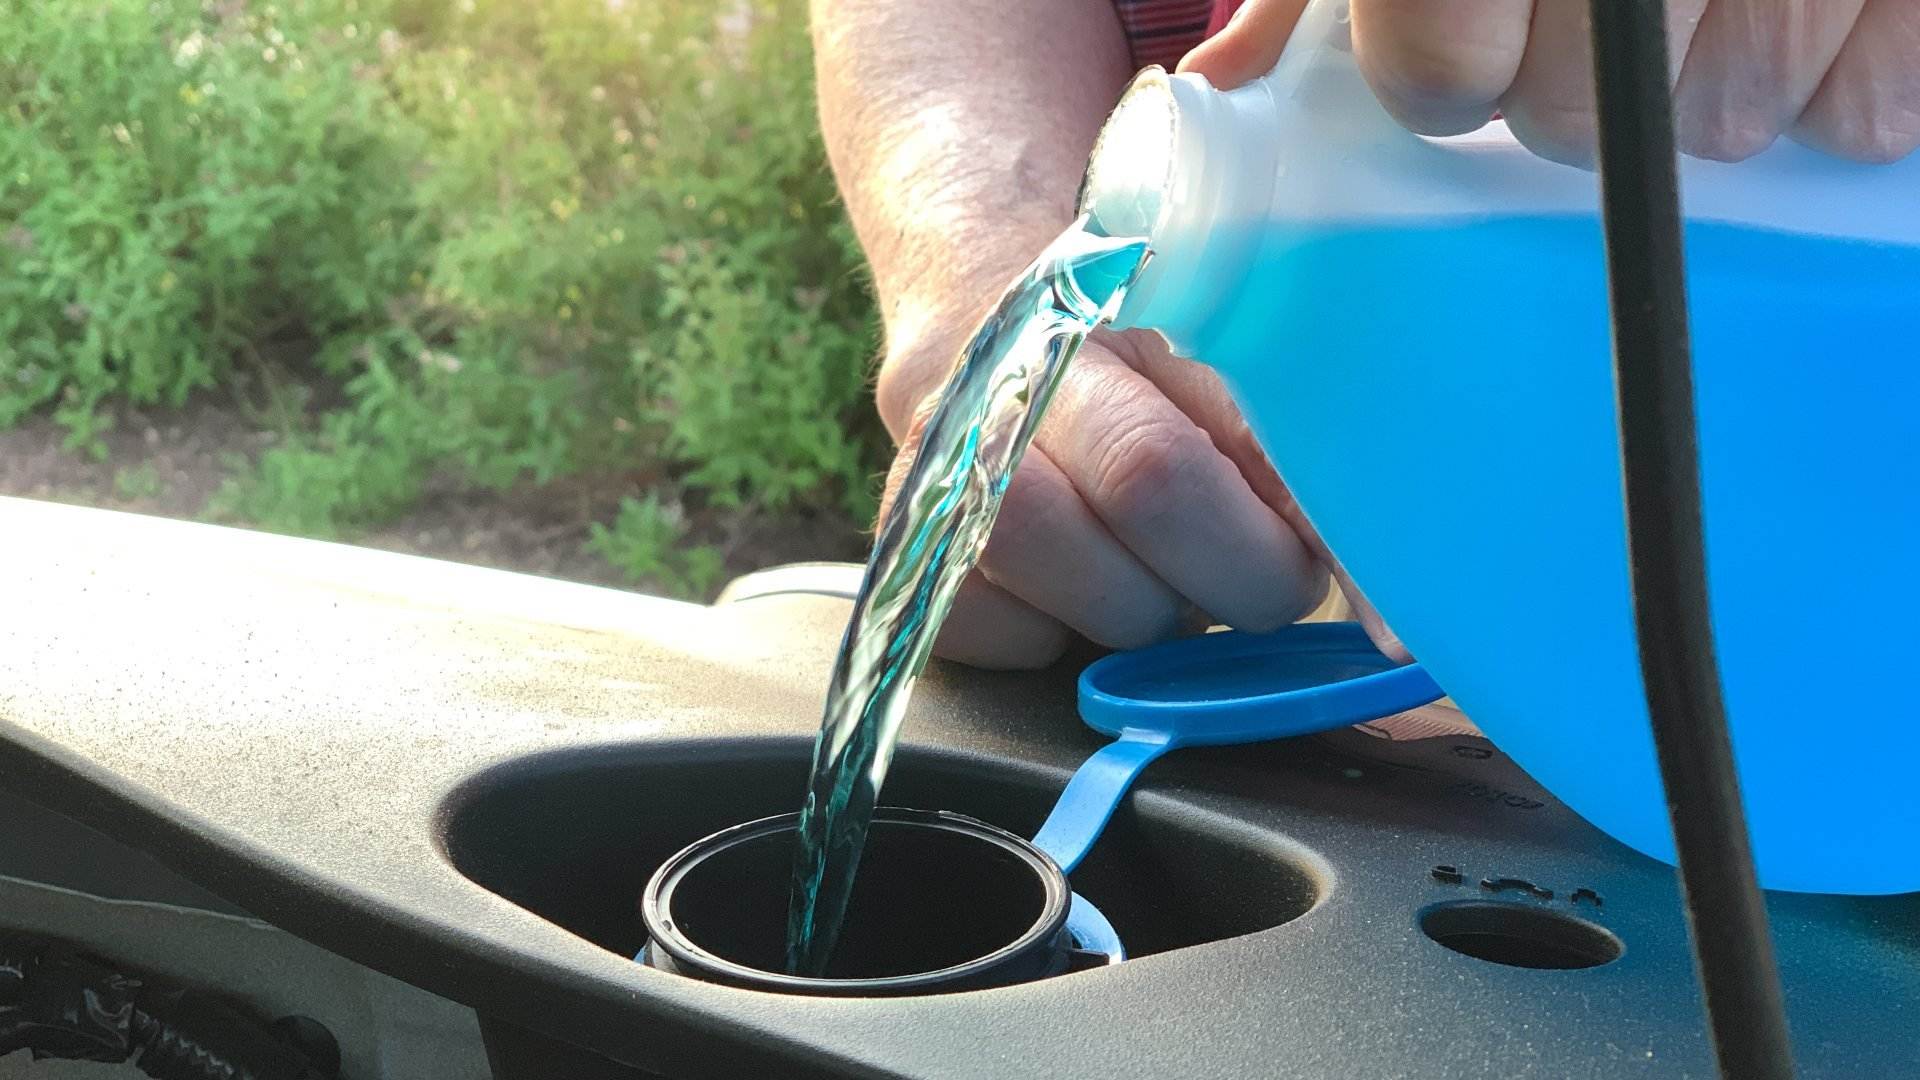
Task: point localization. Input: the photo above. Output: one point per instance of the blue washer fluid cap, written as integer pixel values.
(1216, 690)
(1229, 687)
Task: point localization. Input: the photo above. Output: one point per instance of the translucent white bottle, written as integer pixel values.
(1417, 330)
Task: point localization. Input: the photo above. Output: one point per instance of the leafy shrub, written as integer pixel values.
(647, 542)
(175, 188)
(524, 240)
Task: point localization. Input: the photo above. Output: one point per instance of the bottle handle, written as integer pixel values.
(1317, 76)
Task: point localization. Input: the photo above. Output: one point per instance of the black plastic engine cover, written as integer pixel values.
(461, 777)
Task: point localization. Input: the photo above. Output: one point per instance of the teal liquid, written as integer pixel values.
(1439, 397)
(931, 537)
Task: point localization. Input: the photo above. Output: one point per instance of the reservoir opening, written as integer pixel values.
(934, 892)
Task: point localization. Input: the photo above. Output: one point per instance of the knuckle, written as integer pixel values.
(1143, 472)
(1028, 512)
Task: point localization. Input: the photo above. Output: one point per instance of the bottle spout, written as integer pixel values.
(1188, 170)
(1098, 279)
(1130, 174)
(1193, 169)
(1134, 170)
(1148, 178)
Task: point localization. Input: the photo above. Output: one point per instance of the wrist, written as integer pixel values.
(922, 343)
(932, 306)
(924, 340)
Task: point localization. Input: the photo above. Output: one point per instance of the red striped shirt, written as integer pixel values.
(1161, 31)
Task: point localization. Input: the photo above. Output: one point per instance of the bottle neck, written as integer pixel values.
(1182, 164)
(1194, 169)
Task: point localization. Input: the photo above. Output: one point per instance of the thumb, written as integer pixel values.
(1249, 45)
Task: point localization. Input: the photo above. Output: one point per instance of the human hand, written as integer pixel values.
(1842, 76)
(1143, 509)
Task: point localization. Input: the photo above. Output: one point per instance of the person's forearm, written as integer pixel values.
(958, 130)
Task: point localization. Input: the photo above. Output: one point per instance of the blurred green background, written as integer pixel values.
(561, 286)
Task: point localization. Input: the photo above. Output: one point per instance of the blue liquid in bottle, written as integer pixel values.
(1439, 396)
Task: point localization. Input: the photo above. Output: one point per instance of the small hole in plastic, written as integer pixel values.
(1520, 935)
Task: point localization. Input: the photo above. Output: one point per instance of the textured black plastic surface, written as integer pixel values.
(319, 733)
(514, 1051)
(575, 837)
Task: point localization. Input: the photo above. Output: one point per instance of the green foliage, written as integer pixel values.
(138, 482)
(647, 543)
(360, 466)
(165, 183)
(524, 240)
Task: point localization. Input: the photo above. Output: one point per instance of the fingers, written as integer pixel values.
(1439, 720)
(1549, 107)
(987, 626)
(1248, 46)
(1050, 550)
(1159, 484)
(990, 628)
(1841, 75)
(1199, 392)
(1752, 67)
(1049, 566)
(1440, 68)
(1868, 106)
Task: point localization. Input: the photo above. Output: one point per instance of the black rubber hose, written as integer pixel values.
(1653, 375)
(59, 1003)
(180, 1035)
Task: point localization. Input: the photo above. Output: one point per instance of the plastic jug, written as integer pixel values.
(1417, 330)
